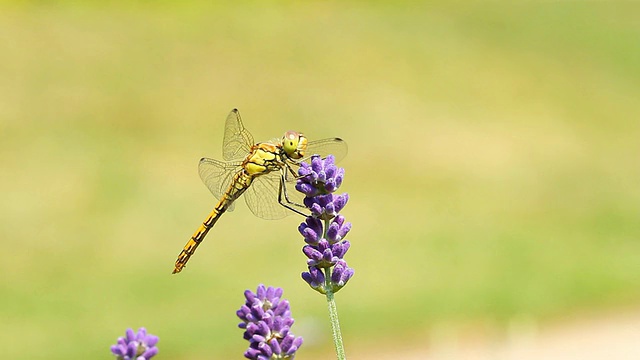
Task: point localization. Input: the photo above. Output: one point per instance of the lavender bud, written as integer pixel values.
(341, 275)
(340, 249)
(315, 278)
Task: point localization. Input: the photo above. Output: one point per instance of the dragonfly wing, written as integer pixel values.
(218, 175)
(237, 141)
(332, 146)
(262, 197)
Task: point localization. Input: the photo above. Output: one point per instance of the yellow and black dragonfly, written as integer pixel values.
(260, 171)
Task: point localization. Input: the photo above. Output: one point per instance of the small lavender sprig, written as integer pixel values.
(266, 318)
(324, 231)
(140, 346)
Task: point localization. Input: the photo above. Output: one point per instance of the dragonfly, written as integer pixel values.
(261, 171)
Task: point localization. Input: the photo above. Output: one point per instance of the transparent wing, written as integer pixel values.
(262, 197)
(217, 175)
(237, 140)
(333, 146)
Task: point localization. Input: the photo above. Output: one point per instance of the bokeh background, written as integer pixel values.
(493, 168)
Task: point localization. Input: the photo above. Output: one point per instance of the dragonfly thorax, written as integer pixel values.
(264, 158)
(294, 144)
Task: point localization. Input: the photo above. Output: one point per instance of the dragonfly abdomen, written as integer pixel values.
(241, 182)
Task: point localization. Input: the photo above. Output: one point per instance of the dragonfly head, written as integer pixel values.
(294, 144)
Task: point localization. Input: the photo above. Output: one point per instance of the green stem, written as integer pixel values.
(333, 309)
(333, 317)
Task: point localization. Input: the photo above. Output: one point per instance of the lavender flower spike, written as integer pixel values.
(132, 346)
(324, 231)
(266, 318)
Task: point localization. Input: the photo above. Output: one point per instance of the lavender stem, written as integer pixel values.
(331, 303)
(333, 317)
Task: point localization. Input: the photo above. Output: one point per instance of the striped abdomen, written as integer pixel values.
(241, 182)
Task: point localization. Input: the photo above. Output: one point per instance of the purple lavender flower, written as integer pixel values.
(266, 318)
(324, 230)
(140, 346)
(318, 181)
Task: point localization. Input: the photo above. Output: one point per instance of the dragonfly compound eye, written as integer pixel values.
(294, 144)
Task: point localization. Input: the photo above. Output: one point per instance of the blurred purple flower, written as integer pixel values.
(324, 230)
(266, 318)
(132, 346)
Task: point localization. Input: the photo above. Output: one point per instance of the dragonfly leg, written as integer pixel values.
(288, 203)
(292, 172)
(283, 185)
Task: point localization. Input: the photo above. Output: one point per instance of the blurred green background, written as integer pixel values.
(493, 167)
